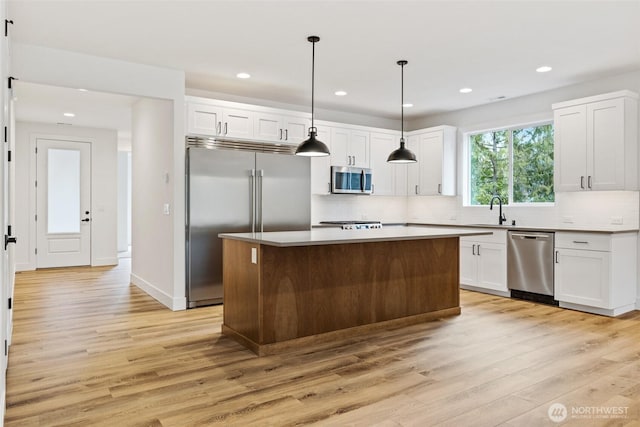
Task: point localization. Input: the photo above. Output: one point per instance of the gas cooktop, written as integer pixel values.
(355, 225)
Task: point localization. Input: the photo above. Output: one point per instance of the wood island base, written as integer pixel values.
(281, 298)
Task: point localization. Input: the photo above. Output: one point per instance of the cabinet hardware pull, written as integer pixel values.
(439, 188)
(417, 189)
(219, 128)
(589, 181)
(582, 182)
(478, 250)
(556, 257)
(286, 134)
(329, 187)
(280, 134)
(373, 188)
(225, 128)
(354, 160)
(473, 249)
(583, 242)
(349, 160)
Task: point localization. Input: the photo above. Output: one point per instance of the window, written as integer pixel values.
(515, 164)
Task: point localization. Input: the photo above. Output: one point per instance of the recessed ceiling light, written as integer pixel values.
(69, 115)
(340, 93)
(544, 69)
(243, 75)
(82, 90)
(466, 90)
(407, 105)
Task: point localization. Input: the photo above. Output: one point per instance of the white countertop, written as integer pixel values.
(333, 236)
(577, 228)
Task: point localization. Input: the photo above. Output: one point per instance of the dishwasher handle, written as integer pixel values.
(530, 236)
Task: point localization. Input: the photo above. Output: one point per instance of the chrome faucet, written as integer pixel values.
(501, 218)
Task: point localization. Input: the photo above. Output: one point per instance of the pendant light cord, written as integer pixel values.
(313, 78)
(402, 102)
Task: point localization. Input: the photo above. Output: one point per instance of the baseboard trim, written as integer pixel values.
(25, 266)
(175, 304)
(104, 261)
(613, 312)
(485, 290)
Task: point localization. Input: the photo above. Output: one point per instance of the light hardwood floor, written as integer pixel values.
(89, 349)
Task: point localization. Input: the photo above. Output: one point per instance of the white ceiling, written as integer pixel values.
(493, 47)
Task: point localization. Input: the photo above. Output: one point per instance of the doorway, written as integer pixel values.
(63, 203)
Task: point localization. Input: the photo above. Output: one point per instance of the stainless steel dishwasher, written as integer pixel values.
(530, 265)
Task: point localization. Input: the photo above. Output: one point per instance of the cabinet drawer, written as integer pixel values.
(498, 236)
(587, 241)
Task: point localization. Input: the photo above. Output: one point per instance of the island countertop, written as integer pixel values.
(333, 236)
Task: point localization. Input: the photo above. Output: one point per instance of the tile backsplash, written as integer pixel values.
(588, 208)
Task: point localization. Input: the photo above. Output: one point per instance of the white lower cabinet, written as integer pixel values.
(483, 263)
(596, 272)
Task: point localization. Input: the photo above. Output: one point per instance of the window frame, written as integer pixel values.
(467, 163)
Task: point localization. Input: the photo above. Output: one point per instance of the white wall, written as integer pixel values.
(123, 201)
(152, 188)
(69, 69)
(346, 207)
(103, 189)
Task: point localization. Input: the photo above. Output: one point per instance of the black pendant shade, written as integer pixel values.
(402, 154)
(312, 147)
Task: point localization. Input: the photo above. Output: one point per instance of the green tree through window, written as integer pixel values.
(528, 152)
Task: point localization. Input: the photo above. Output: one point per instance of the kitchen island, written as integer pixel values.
(284, 290)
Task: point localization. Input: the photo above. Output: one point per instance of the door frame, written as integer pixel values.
(33, 138)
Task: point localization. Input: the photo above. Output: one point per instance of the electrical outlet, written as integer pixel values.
(616, 220)
(165, 209)
(567, 219)
(254, 255)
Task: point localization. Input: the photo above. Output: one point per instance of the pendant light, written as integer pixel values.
(402, 154)
(312, 147)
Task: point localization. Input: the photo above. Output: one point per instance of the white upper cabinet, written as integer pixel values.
(349, 147)
(389, 179)
(231, 119)
(435, 171)
(237, 123)
(286, 129)
(596, 143)
(203, 119)
(321, 166)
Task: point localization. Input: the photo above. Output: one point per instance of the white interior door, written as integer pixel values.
(63, 187)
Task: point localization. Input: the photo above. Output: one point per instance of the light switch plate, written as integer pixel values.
(254, 255)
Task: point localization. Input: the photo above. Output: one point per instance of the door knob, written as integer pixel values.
(86, 220)
(9, 239)
(86, 212)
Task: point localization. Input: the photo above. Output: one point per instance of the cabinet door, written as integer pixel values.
(413, 169)
(468, 262)
(384, 174)
(430, 163)
(570, 148)
(296, 129)
(359, 148)
(605, 145)
(321, 166)
(269, 127)
(340, 147)
(582, 277)
(203, 119)
(237, 123)
(492, 266)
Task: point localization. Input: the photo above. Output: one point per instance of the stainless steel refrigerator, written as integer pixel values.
(234, 188)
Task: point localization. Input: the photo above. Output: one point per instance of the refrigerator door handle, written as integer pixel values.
(261, 178)
(252, 199)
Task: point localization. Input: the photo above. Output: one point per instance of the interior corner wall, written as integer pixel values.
(152, 240)
(103, 189)
(123, 201)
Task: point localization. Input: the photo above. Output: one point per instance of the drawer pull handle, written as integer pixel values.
(473, 249)
(556, 257)
(582, 182)
(478, 250)
(582, 242)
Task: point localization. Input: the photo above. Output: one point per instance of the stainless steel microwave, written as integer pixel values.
(350, 180)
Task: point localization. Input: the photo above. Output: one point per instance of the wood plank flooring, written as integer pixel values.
(89, 349)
